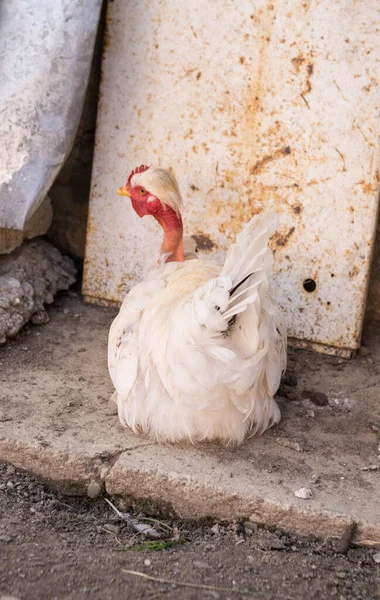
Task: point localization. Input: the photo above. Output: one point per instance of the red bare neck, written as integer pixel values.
(172, 225)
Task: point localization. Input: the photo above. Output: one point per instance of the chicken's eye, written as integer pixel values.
(142, 191)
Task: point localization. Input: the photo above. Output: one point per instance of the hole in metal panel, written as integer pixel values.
(309, 285)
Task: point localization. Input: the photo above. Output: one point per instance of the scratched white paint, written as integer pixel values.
(255, 106)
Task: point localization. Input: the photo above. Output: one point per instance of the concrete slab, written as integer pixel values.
(56, 422)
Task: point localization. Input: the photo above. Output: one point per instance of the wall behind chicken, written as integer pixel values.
(70, 192)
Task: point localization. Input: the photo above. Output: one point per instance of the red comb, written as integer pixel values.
(140, 169)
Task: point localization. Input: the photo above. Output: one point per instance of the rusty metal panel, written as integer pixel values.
(255, 106)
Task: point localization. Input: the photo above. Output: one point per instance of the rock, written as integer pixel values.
(41, 317)
(37, 225)
(363, 351)
(29, 278)
(200, 564)
(290, 379)
(147, 562)
(285, 443)
(112, 528)
(215, 529)
(94, 489)
(317, 398)
(10, 485)
(303, 493)
(269, 541)
(376, 557)
(341, 574)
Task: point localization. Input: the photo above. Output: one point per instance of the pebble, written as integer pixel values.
(200, 564)
(376, 557)
(10, 485)
(66, 311)
(94, 489)
(215, 529)
(341, 574)
(112, 528)
(147, 562)
(363, 351)
(289, 444)
(5, 538)
(317, 398)
(290, 379)
(40, 317)
(303, 493)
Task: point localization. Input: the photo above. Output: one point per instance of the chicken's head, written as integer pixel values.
(154, 191)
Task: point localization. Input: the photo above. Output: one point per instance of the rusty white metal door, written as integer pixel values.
(255, 106)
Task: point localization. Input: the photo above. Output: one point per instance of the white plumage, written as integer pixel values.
(195, 356)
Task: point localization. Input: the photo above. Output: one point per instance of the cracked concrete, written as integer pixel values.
(56, 422)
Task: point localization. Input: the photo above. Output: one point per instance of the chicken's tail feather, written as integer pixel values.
(243, 278)
(248, 264)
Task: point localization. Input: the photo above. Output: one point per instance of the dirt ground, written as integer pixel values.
(58, 547)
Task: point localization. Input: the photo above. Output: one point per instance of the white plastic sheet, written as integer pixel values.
(46, 49)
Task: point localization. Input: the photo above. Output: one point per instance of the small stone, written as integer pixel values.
(10, 485)
(285, 443)
(269, 541)
(94, 489)
(376, 557)
(317, 398)
(200, 564)
(66, 311)
(112, 528)
(40, 317)
(5, 538)
(290, 379)
(215, 529)
(303, 493)
(341, 574)
(147, 562)
(371, 468)
(310, 414)
(363, 351)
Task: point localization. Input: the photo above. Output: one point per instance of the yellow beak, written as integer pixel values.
(123, 192)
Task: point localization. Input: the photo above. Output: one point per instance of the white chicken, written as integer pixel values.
(198, 349)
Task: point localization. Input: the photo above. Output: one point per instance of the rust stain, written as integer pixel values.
(282, 239)
(203, 242)
(297, 209)
(260, 164)
(353, 273)
(366, 187)
(297, 62)
(242, 60)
